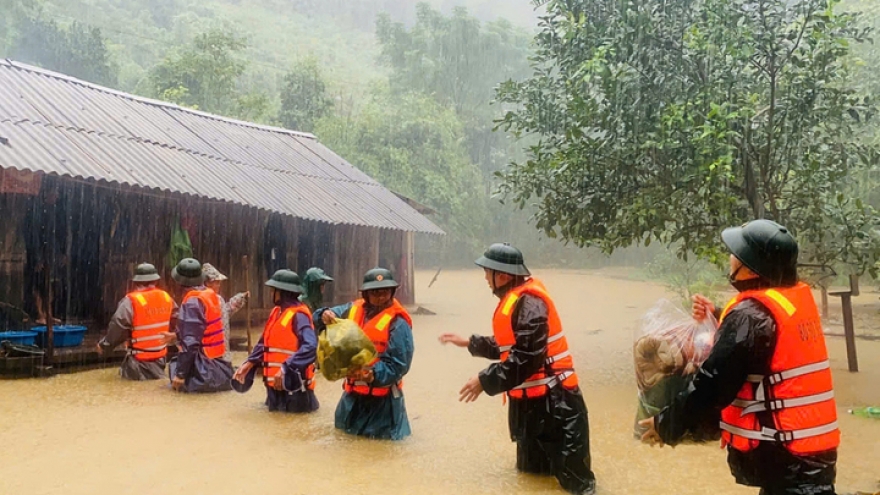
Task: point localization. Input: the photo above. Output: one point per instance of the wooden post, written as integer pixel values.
(49, 247)
(247, 277)
(410, 253)
(848, 327)
(335, 267)
(849, 332)
(50, 326)
(371, 235)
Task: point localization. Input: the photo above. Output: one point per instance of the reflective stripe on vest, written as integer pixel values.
(213, 342)
(771, 435)
(151, 316)
(378, 330)
(281, 342)
(558, 365)
(798, 393)
(550, 381)
(550, 340)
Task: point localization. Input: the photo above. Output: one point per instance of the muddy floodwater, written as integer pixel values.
(91, 433)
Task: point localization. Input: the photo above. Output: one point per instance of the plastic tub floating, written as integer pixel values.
(64, 335)
(22, 337)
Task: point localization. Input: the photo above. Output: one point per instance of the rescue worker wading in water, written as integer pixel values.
(547, 416)
(141, 321)
(372, 404)
(286, 351)
(767, 378)
(199, 367)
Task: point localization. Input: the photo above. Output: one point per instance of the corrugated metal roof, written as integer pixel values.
(59, 125)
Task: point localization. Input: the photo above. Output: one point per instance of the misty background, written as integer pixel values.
(403, 89)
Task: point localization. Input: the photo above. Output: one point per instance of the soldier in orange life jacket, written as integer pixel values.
(141, 321)
(286, 352)
(767, 380)
(547, 415)
(372, 404)
(199, 367)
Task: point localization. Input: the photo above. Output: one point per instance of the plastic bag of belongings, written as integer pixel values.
(669, 348)
(342, 348)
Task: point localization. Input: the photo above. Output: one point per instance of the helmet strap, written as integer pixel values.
(387, 305)
(732, 277)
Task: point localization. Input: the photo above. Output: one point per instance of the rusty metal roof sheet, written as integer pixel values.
(59, 125)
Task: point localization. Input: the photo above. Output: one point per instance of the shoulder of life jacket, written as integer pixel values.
(151, 316)
(280, 343)
(558, 366)
(213, 340)
(798, 393)
(377, 329)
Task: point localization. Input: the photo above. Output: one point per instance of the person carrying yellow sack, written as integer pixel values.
(372, 404)
(767, 380)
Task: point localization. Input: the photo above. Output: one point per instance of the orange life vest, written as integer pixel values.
(151, 317)
(280, 342)
(798, 393)
(558, 364)
(377, 330)
(213, 343)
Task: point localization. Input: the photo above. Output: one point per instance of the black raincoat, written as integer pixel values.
(551, 432)
(745, 344)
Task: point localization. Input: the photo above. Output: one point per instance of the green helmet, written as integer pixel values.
(378, 278)
(316, 274)
(188, 273)
(286, 280)
(766, 248)
(145, 272)
(502, 257)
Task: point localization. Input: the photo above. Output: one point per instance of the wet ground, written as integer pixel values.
(91, 433)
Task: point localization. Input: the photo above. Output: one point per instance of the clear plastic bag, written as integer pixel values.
(669, 346)
(342, 348)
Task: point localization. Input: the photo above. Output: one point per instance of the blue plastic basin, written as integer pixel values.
(63, 335)
(20, 337)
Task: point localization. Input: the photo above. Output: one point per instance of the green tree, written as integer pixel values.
(203, 75)
(75, 50)
(413, 146)
(162, 12)
(458, 61)
(668, 120)
(304, 97)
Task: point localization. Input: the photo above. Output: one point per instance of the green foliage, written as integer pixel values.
(304, 97)
(362, 14)
(413, 146)
(202, 75)
(669, 120)
(162, 12)
(74, 50)
(458, 61)
(207, 75)
(686, 276)
(253, 107)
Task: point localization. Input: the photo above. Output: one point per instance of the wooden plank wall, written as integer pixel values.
(140, 228)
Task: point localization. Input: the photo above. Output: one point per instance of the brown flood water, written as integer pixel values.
(91, 433)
